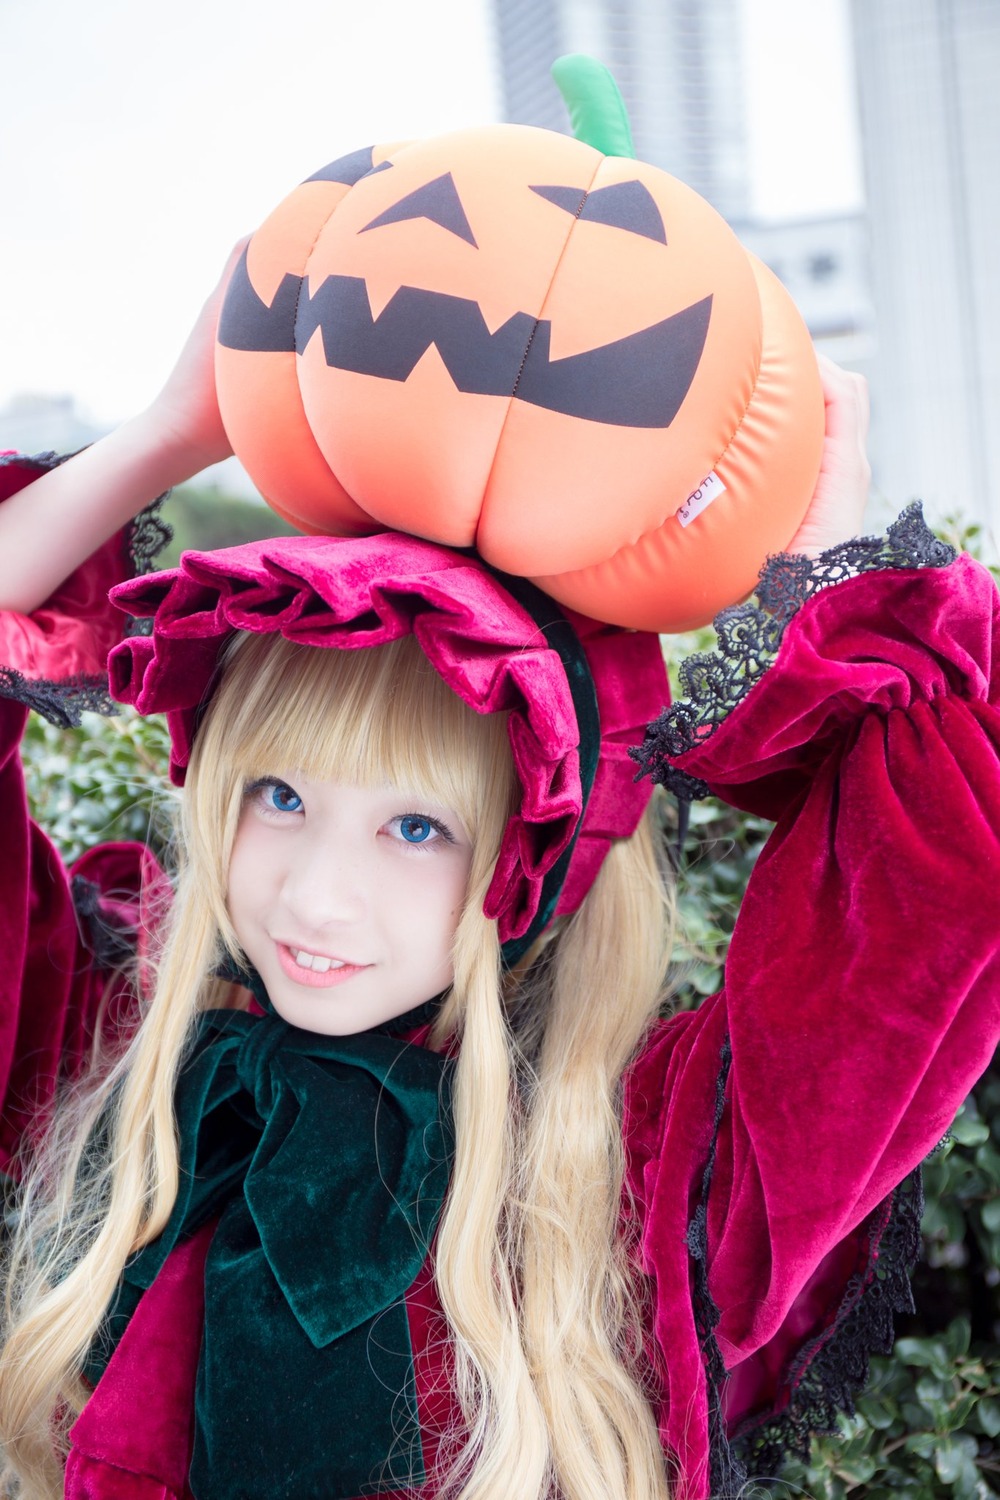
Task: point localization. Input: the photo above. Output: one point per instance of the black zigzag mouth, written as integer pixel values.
(640, 380)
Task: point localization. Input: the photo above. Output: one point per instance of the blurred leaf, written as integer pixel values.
(923, 1353)
(106, 780)
(987, 1413)
(957, 1337)
(970, 1132)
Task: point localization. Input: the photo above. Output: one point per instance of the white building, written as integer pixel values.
(824, 264)
(929, 81)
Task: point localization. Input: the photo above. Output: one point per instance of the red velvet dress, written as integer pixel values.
(773, 1137)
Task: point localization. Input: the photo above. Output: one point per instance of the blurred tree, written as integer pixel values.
(204, 517)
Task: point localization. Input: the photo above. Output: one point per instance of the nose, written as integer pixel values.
(328, 884)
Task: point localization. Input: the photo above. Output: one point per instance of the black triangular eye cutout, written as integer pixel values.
(570, 198)
(626, 205)
(347, 169)
(623, 205)
(437, 201)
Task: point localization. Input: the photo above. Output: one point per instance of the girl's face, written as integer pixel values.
(346, 899)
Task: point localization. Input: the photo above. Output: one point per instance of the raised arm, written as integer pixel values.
(48, 529)
(862, 985)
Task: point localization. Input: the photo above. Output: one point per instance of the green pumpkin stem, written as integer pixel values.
(596, 108)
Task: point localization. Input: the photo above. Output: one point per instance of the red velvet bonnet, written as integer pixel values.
(578, 692)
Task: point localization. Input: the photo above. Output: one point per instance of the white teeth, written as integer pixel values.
(314, 961)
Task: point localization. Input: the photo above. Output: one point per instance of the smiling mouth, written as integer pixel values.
(316, 961)
(316, 970)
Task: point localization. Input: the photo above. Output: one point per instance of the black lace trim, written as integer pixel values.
(834, 1367)
(111, 946)
(63, 702)
(43, 462)
(727, 1474)
(148, 534)
(714, 682)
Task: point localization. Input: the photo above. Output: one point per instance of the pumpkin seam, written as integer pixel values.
(298, 354)
(527, 348)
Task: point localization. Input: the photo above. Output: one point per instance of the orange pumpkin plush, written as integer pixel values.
(506, 338)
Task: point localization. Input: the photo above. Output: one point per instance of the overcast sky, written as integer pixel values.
(139, 141)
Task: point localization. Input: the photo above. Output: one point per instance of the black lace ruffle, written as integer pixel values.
(714, 682)
(112, 946)
(148, 534)
(62, 702)
(830, 1370)
(41, 462)
(727, 1474)
(833, 1369)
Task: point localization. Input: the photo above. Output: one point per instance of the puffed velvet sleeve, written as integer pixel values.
(862, 986)
(57, 952)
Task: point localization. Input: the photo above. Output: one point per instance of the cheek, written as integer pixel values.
(431, 903)
(247, 876)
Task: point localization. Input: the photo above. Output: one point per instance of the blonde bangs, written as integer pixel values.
(365, 717)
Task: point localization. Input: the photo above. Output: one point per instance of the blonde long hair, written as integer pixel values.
(529, 1267)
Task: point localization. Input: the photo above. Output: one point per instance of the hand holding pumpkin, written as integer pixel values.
(185, 415)
(837, 507)
(50, 527)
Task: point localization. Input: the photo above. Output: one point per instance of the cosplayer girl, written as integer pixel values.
(381, 1174)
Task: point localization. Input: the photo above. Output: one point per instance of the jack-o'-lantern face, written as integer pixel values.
(499, 338)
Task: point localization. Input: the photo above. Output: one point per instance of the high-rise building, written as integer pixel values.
(677, 63)
(928, 73)
(904, 293)
(680, 65)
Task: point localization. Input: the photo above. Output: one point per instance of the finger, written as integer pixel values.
(845, 395)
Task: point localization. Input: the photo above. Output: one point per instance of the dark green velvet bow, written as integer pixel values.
(328, 1158)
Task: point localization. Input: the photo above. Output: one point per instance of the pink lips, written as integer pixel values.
(310, 977)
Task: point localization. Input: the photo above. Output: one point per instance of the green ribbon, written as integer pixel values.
(329, 1158)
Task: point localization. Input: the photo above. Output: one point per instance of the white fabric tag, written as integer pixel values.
(700, 499)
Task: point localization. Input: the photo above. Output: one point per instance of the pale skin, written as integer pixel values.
(48, 530)
(346, 898)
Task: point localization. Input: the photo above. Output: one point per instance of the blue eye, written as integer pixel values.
(415, 829)
(283, 798)
(273, 796)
